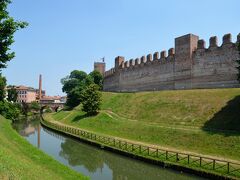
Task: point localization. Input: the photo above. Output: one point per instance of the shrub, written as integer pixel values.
(35, 106)
(10, 110)
(2, 87)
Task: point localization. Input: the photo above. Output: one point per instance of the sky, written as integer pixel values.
(64, 35)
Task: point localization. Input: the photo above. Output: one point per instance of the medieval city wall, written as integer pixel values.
(189, 65)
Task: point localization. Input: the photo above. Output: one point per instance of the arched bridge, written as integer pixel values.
(54, 106)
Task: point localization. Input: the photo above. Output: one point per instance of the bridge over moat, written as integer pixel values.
(54, 106)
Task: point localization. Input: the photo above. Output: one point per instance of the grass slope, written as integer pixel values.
(201, 121)
(20, 160)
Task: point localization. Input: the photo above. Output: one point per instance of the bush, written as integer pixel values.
(25, 108)
(91, 99)
(35, 106)
(10, 110)
(2, 87)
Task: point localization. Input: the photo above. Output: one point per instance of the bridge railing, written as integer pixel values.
(189, 160)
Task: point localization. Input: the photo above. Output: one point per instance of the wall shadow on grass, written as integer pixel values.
(227, 120)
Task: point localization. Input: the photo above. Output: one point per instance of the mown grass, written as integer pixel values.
(201, 121)
(20, 160)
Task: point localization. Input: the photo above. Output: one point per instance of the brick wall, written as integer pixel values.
(189, 65)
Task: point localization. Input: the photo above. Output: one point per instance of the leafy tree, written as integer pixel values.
(69, 85)
(9, 110)
(8, 26)
(25, 108)
(35, 106)
(12, 94)
(238, 61)
(2, 87)
(76, 83)
(73, 85)
(76, 79)
(80, 75)
(91, 99)
(74, 98)
(97, 78)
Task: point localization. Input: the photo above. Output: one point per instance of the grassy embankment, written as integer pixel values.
(201, 121)
(20, 160)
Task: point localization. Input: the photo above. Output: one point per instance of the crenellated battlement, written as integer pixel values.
(109, 72)
(150, 59)
(190, 64)
(213, 42)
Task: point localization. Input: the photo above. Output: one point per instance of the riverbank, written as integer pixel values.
(190, 163)
(198, 121)
(203, 122)
(20, 160)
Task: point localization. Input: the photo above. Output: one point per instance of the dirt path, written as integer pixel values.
(150, 145)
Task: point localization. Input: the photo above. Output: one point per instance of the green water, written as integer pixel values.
(91, 161)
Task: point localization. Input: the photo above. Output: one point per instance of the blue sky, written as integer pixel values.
(66, 35)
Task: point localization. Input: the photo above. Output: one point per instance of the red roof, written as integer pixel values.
(51, 98)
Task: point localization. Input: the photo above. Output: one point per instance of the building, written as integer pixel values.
(63, 99)
(27, 94)
(50, 99)
(190, 65)
(100, 66)
(43, 93)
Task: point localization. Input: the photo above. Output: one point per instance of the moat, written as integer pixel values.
(91, 161)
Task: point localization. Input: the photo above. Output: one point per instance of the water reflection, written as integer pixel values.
(78, 154)
(96, 163)
(28, 126)
(121, 167)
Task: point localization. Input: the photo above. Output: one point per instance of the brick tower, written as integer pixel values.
(100, 66)
(40, 88)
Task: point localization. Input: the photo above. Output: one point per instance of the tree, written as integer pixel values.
(12, 94)
(74, 97)
(97, 78)
(76, 83)
(238, 61)
(9, 110)
(35, 106)
(80, 75)
(25, 108)
(91, 99)
(73, 85)
(2, 87)
(8, 26)
(76, 79)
